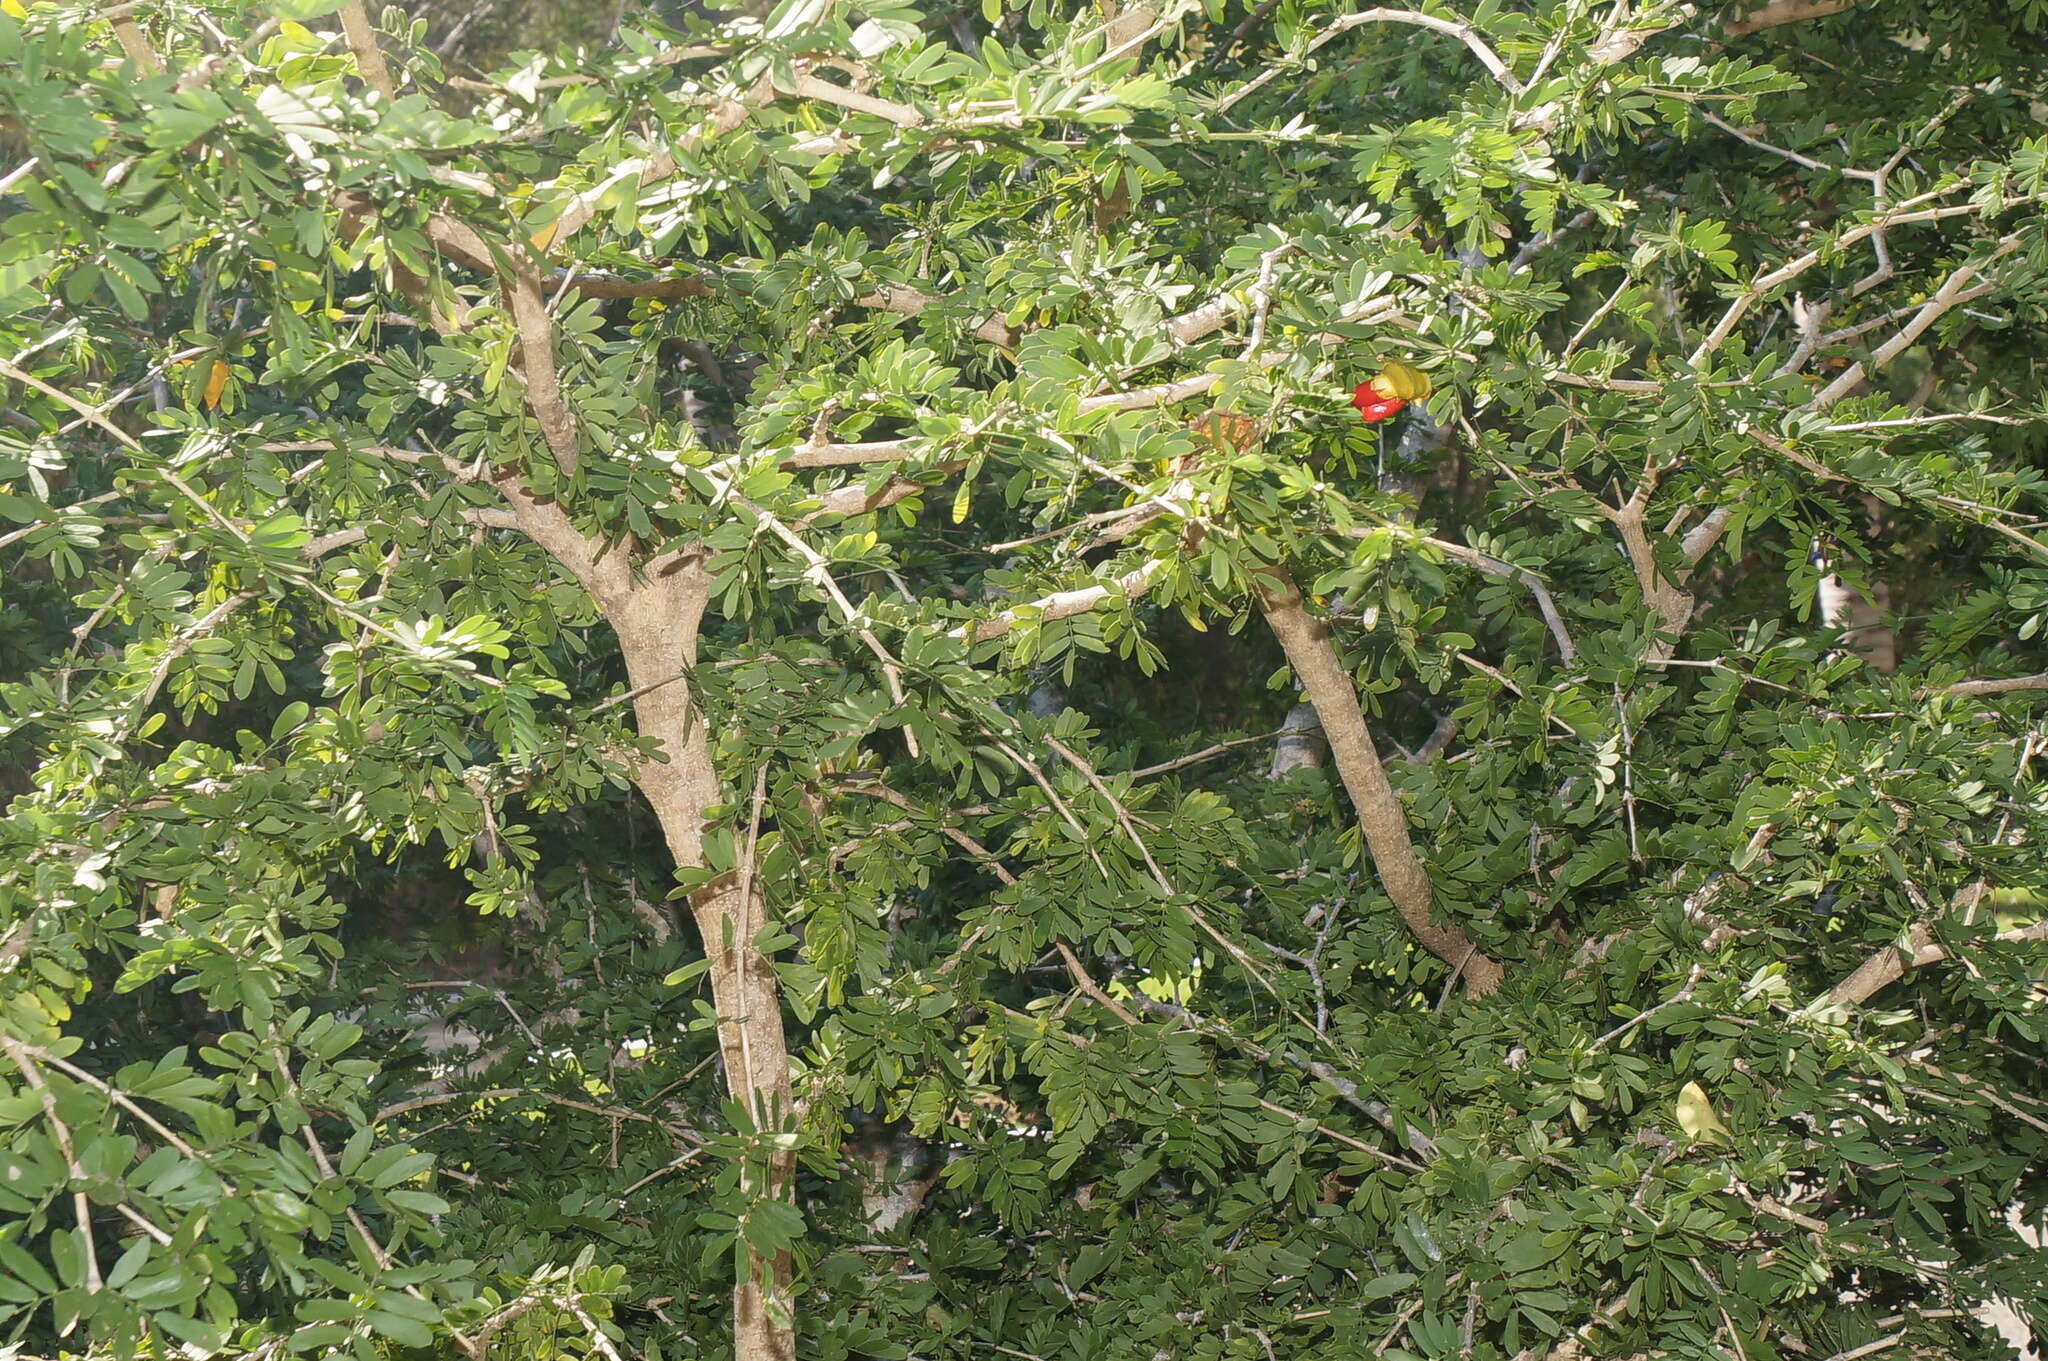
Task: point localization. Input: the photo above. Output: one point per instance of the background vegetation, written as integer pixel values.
(740, 683)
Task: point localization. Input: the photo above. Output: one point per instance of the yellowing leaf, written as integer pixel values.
(1696, 1115)
(1171, 988)
(216, 383)
(13, 7)
(960, 500)
(545, 237)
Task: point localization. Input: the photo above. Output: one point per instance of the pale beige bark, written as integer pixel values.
(656, 620)
(1327, 683)
(136, 45)
(1880, 970)
(537, 367)
(362, 41)
(1919, 949)
(656, 613)
(1126, 28)
(2000, 686)
(1668, 600)
(1783, 12)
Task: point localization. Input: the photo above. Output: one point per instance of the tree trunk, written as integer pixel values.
(656, 620)
(1301, 741)
(655, 612)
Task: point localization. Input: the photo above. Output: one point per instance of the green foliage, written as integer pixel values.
(348, 1006)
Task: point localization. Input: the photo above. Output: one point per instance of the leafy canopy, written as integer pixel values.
(531, 594)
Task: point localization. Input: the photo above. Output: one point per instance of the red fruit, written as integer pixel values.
(1373, 408)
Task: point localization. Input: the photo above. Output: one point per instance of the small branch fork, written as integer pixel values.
(1668, 599)
(1506, 571)
(1679, 998)
(1911, 210)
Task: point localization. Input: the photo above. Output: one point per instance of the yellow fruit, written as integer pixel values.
(1400, 382)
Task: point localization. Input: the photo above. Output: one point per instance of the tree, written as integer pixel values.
(781, 472)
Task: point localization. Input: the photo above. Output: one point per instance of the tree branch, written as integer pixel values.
(659, 165)
(1464, 33)
(1946, 298)
(362, 41)
(820, 574)
(1328, 685)
(544, 398)
(1506, 571)
(1908, 210)
(1668, 600)
(618, 286)
(1062, 604)
(136, 44)
(1917, 951)
(860, 500)
(2002, 686)
(1783, 12)
(808, 86)
(906, 301)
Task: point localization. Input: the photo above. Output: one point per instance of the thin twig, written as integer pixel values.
(68, 1149)
(1124, 820)
(1683, 995)
(1205, 754)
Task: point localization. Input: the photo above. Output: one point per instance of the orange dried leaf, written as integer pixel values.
(1225, 431)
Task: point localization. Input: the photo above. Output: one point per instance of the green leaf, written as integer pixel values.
(404, 1331)
(299, 10)
(1383, 1285)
